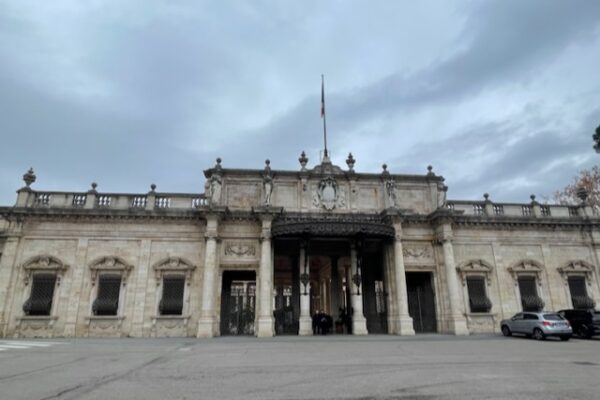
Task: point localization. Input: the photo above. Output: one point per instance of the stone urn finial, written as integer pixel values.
(303, 160)
(29, 177)
(582, 194)
(430, 171)
(152, 188)
(486, 196)
(532, 197)
(218, 166)
(93, 189)
(350, 161)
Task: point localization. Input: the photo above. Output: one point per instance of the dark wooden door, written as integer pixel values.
(421, 301)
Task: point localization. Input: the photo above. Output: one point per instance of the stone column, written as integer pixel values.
(266, 322)
(359, 322)
(403, 322)
(207, 323)
(457, 323)
(335, 289)
(305, 318)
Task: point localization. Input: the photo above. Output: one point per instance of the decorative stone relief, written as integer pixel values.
(173, 264)
(413, 253)
(239, 249)
(474, 267)
(329, 195)
(390, 191)
(44, 263)
(110, 264)
(577, 267)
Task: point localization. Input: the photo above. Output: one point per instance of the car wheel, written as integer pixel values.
(565, 338)
(506, 330)
(538, 334)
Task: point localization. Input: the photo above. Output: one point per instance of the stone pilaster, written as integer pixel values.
(359, 322)
(403, 321)
(75, 292)
(457, 323)
(266, 322)
(7, 266)
(139, 293)
(305, 328)
(207, 323)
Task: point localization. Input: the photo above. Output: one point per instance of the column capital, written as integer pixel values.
(443, 233)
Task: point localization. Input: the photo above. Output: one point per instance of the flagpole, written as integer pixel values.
(326, 155)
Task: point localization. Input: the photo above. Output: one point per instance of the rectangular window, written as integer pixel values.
(478, 300)
(172, 298)
(42, 293)
(529, 296)
(579, 295)
(107, 301)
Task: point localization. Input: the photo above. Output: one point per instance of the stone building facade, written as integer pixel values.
(261, 251)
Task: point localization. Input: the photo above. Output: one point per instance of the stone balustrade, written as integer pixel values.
(527, 210)
(115, 201)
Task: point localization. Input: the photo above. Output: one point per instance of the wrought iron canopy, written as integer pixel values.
(331, 225)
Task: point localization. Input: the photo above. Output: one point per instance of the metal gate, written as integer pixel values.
(286, 322)
(421, 301)
(238, 302)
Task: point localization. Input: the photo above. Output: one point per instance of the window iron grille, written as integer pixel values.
(172, 297)
(478, 300)
(530, 300)
(107, 301)
(42, 293)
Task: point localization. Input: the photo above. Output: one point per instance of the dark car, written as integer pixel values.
(585, 323)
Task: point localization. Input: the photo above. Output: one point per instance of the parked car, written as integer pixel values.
(585, 323)
(539, 325)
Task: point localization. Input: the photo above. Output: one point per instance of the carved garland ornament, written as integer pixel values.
(474, 267)
(579, 267)
(43, 263)
(417, 252)
(174, 264)
(239, 249)
(110, 264)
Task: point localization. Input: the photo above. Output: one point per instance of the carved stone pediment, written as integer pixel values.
(173, 265)
(43, 263)
(578, 267)
(526, 267)
(329, 195)
(475, 267)
(110, 264)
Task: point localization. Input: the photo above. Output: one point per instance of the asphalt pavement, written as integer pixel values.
(424, 367)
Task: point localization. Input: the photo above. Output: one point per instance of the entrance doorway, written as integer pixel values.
(421, 301)
(238, 302)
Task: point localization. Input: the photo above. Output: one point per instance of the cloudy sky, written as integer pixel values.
(499, 96)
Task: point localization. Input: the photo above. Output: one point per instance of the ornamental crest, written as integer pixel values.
(329, 195)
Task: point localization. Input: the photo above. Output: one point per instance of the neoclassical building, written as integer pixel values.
(261, 251)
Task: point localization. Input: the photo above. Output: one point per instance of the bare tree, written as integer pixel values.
(588, 180)
(596, 137)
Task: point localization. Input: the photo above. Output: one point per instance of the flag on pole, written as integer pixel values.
(322, 97)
